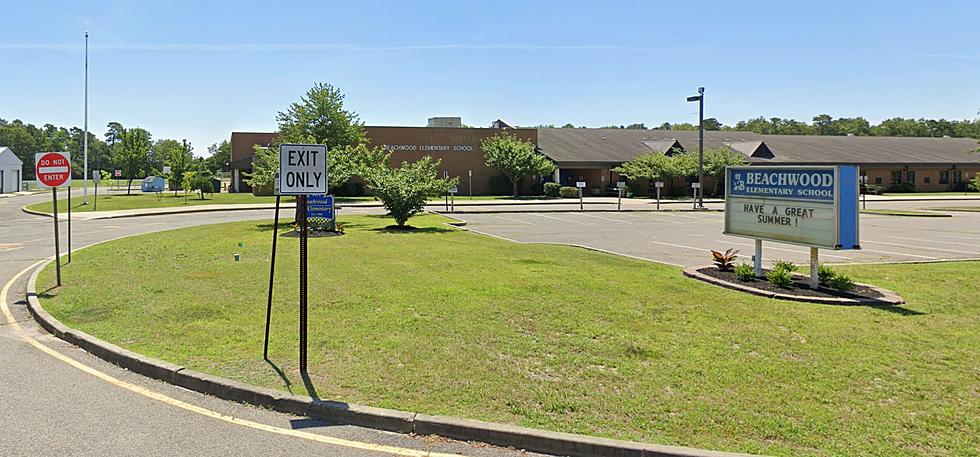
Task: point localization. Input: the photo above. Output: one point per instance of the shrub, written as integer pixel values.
(784, 265)
(568, 192)
(780, 277)
(745, 272)
(404, 190)
(841, 282)
(724, 260)
(552, 189)
(974, 184)
(825, 274)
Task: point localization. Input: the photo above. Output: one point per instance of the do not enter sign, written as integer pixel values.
(53, 169)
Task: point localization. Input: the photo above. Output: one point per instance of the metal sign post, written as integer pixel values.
(697, 187)
(580, 185)
(864, 191)
(272, 274)
(452, 195)
(302, 171)
(470, 174)
(68, 201)
(620, 187)
(659, 185)
(53, 169)
(445, 175)
(757, 258)
(96, 178)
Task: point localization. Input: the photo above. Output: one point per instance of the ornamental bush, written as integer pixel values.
(552, 189)
(568, 192)
(780, 277)
(745, 272)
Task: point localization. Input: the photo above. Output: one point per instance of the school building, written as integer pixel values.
(584, 154)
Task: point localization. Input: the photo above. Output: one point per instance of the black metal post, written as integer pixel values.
(700, 147)
(301, 208)
(95, 204)
(69, 224)
(57, 241)
(272, 273)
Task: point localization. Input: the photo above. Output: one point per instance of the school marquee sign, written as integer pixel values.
(814, 206)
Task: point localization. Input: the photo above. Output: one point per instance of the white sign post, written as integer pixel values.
(697, 187)
(659, 185)
(620, 187)
(53, 169)
(96, 179)
(580, 185)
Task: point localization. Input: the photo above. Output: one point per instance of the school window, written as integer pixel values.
(926, 179)
(896, 177)
(944, 177)
(910, 176)
(878, 180)
(957, 177)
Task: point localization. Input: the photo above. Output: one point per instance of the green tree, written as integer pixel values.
(199, 181)
(132, 154)
(177, 155)
(515, 158)
(652, 166)
(404, 190)
(715, 161)
(320, 118)
(265, 167)
(219, 155)
(712, 124)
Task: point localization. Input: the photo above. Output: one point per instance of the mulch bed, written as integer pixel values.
(801, 286)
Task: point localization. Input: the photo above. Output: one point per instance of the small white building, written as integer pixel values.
(10, 171)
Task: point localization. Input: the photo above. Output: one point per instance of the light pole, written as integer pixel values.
(700, 99)
(85, 176)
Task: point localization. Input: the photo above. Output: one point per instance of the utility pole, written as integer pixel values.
(85, 138)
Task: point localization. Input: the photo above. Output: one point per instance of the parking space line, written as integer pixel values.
(955, 236)
(560, 219)
(956, 243)
(514, 220)
(797, 251)
(955, 251)
(604, 218)
(899, 253)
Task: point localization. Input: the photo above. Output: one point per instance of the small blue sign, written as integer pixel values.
(816, 184)
(319, 205)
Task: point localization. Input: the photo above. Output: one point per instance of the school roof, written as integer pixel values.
(7, 157)
(612, 146)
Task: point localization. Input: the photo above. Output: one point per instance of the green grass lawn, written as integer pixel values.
(445, 321)
(903, 212)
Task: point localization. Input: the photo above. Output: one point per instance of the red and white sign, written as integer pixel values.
(53, 169)
(117, 173)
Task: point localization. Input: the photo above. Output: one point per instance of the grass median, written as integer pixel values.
(445, 321)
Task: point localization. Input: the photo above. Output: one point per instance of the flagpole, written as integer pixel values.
(85, 176)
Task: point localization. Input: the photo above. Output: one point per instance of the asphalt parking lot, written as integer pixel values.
(685, 238)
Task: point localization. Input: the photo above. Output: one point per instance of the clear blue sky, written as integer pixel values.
(199, 70)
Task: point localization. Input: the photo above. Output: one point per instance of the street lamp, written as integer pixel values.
(700, 99)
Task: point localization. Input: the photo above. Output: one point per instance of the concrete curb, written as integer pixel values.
(533, 440)
(888, 297)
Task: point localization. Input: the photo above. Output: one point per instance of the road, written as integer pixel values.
(52, 407)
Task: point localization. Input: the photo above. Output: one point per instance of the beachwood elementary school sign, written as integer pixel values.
(813, 206)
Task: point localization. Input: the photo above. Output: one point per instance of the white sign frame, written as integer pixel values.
(66, 156)
(580, 184)
(732, 227)
(302, 160)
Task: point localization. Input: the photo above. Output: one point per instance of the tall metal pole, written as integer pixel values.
(57, 239)
(272, 273)
(69, 223)
(301, 209)
(701, 147)
(85, 138)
